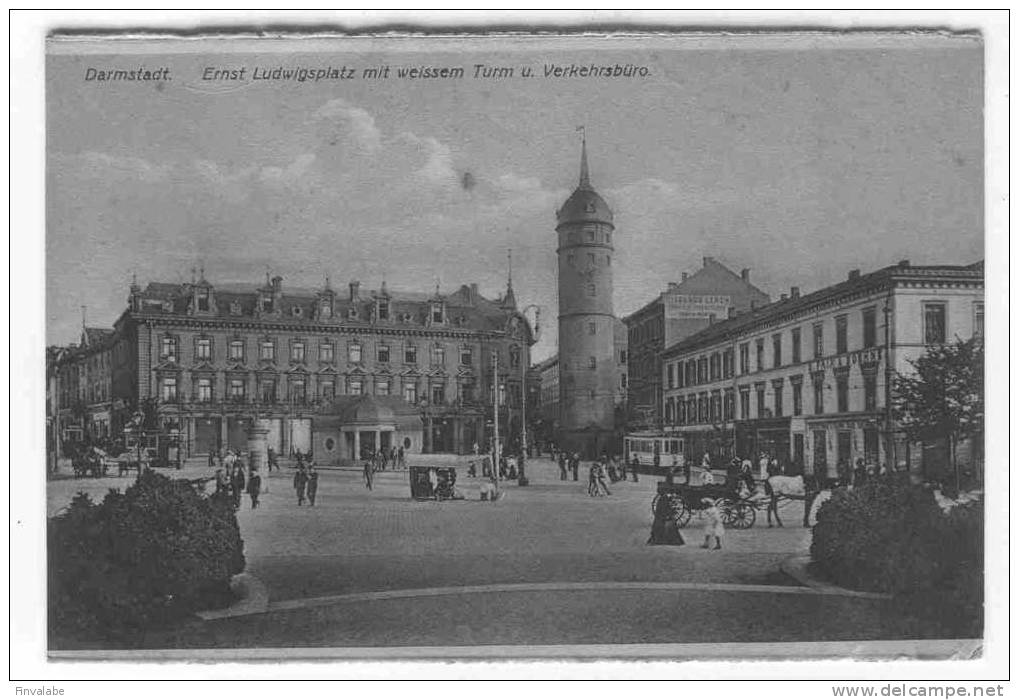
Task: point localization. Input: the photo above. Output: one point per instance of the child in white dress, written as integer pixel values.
(713, 526)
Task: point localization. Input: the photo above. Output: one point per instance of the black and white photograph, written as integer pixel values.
(661, 346)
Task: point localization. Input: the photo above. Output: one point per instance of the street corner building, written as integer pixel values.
(314, 370)
(807, 379)
(587, 326)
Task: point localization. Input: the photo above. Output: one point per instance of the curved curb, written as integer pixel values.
(254, 599)
(796, 567)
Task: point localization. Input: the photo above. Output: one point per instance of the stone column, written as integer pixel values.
(357, 445)
(378, 439)
(426, 443)
(223, 434)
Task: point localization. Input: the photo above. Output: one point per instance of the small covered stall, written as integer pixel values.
(351, 427)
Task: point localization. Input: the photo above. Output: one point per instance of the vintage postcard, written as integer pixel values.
(638, 346)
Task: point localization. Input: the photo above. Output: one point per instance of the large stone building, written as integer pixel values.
(215, 358)
(587, 372)
(712, 293)
(806, 379)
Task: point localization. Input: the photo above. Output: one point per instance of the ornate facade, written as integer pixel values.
(216, 357)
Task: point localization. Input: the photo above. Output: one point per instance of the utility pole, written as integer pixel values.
(495, 418)
(522, 481)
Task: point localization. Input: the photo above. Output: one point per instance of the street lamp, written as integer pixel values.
(522, 480)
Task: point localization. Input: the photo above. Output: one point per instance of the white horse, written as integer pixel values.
(793, 488)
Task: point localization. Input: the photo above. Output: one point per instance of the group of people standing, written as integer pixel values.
(232, 483)
(306, 483)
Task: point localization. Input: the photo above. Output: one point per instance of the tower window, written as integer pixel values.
(592, 362)
(591, 290)
(592, 328)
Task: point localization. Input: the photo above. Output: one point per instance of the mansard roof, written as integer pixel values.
(464, 308)
(784, 308)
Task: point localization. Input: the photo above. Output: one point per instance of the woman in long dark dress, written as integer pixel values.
(665, 530)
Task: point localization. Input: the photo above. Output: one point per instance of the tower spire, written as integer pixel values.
(585, 179)
(510, 300)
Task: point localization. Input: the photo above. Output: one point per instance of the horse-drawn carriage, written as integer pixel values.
(739, 499)
(738, 511)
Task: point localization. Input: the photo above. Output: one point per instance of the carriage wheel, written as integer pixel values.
(683, 513)
(654, 504)
(743, 515)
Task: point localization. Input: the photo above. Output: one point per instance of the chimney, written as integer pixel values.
(474, 292)
(745, 274)
(685, 275)
(903, 263)
(854, 274)
(708, 260)
(355, 288)
(672, 286)
(794, 292)
(783, 297)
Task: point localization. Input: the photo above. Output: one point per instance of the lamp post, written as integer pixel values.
(522, 480)
(495, 418)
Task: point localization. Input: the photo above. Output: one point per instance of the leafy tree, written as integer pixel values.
(944, 396)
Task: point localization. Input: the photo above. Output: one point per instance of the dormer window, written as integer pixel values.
(325, 308)
(235, 308)
(202, 296)
(436, 312)
(383, 309)
(267, 301)
(352, 314)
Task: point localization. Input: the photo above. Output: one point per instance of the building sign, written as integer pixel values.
(868, 356)
(697, 305)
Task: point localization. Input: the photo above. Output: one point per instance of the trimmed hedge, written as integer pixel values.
(140, 559)
(894, 538)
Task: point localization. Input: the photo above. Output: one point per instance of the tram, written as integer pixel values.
(645, 446)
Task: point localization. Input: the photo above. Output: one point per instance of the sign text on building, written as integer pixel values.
(867, 356)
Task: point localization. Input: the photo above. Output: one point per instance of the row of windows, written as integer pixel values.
(203, 390)
(237, 351)
(720, 405)
(592, 259)
(705, 369)
(591, 234)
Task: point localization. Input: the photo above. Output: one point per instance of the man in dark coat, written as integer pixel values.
(300, 483)
(562, 466)
(312, 483)
(254, 487)
(237, 483)
(575, 465)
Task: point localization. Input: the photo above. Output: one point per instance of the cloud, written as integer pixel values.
(437, 168)
(105, 166)
(289, 175)
(360, 124)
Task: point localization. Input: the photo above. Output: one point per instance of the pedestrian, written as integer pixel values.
(254, 487)
(400, 456)
(392, 457)
(222, 484)
(368, 474)
(600, 475)
(271, 459)
(575, 466)
(562, 466)
(657, 461)
(300, 483)
(237, 482)
(773, 468)
(592, 481)
(634, 465)
(383, 459)
(475, 449)
(212, 459)
(665, 529)
(746, 474)
(762, 466)
(713, 526)
(312, 483)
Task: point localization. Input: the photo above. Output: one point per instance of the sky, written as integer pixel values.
(798, 161)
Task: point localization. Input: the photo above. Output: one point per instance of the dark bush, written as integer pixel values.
(140, 559)
(893, 538)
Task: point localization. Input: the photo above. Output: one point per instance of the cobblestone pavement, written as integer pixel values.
(354, 540)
